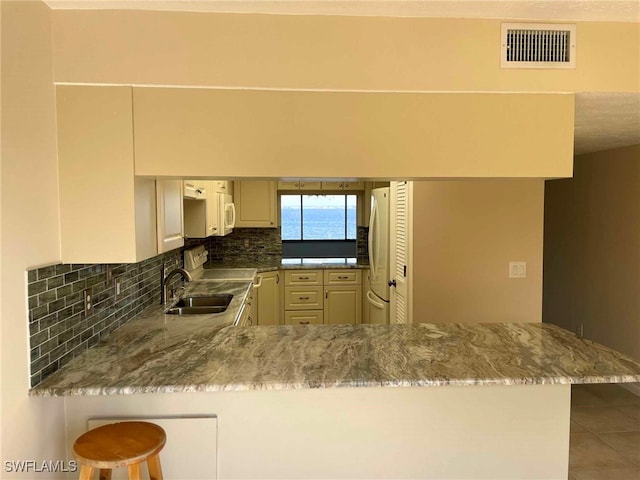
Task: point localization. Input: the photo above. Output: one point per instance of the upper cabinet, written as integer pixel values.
(201, 216)
(169, 215)
(256, 203)
(299, 185)
(195, 189)
(107, 215)
(223, 186)
(343, 185)
(306, 185)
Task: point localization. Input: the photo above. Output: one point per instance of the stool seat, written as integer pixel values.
(119, 445)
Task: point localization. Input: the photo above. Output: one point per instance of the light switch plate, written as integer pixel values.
(517, 269)
(117, 287)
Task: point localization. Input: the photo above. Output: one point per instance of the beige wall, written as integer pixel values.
(325, 52)
(465, 235)
(592, 254)
(31, 428)
(250, 133)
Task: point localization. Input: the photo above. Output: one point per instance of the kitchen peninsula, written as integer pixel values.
(314, 401)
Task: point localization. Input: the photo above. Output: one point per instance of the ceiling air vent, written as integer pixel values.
(537, 45)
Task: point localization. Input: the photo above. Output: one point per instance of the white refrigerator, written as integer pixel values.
(378, 293)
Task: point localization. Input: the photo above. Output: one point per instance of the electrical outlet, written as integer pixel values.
(88, 301)
(517, 269)
(117, 287)
(246, 243)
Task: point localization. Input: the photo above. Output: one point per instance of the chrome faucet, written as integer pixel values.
(164, 281)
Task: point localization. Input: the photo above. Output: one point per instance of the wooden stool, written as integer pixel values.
(118, 445)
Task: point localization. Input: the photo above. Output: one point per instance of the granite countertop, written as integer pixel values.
(154, 353)
(272, 264)
(149, 347)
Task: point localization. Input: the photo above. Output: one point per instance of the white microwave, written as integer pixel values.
(226, 214)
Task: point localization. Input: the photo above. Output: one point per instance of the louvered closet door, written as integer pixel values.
(400, 251)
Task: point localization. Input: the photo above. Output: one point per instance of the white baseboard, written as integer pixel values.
(632, 387)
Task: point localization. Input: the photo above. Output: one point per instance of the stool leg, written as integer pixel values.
(134, 471)
(86, 472)
(155, 470)
(105, 474)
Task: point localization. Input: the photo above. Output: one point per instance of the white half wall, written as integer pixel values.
(32, 428)
(491, 432)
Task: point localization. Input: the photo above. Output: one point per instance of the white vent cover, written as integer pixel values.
(538, 45)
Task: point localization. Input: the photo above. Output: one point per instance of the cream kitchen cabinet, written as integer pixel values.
(256, 203)
(299, 185)
(303, 317)
(295, 278)
(195, 189)
(170, 224)
(342, 304)
(201, 216)
(249, 313)
(303, 302)
(107, 215)
(342, 296)
(344, 185)
(222, 186)
(329, 296)
(268, 299)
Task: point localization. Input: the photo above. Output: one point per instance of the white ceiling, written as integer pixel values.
(603, 120)
(606, 120)
(576, 10)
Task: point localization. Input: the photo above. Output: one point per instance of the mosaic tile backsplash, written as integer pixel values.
(243, 245)
(59, 330)
(362, 243)
(264, 244)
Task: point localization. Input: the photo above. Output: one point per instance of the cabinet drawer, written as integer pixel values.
(302, 277)
(303, 317)
(303, 298)
(343, 277)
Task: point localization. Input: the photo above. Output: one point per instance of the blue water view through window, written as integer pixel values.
(318, 217)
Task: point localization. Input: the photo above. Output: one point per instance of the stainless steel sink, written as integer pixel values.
(201, 305)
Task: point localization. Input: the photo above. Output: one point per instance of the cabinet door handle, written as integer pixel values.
(277, 278)
(343, 278)
(326, 294)
(305, 323)
(303, 298)
(303, 278)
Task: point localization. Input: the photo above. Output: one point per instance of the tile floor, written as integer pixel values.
(605, 433)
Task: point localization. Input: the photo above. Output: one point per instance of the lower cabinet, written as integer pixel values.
(303, 317)
(342, 304)
(267, 306)
(331, 296)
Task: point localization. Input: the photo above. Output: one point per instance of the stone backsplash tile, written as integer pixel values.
(245, 245)
(362, 243)
(259, 245)
(59, 330)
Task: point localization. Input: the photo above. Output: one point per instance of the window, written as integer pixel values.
(318, 225)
